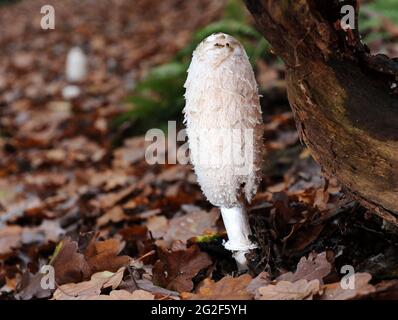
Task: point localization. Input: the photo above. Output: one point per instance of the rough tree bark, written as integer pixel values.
(345, 100)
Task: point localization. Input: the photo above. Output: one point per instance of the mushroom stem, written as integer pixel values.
(236, 223)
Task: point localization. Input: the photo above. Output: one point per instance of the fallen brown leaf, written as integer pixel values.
(158, 226)
(10, 237)
(228, 288)
(116, 214)
(89, 290)
(175, 268)
(125, 295)
(30, 287)
(191, 224)
(261, 280)
(316, 266)
(285, 290)
(108, 200)
(103, 255)
(69, 264)
(335, 291)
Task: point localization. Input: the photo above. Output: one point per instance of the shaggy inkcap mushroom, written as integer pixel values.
(224, 127)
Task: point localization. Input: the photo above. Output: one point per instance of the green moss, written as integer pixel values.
(208, 238)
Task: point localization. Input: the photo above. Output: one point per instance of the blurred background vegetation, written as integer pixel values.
(159, 96)
(5, 2)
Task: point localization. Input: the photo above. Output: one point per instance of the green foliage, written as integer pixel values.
(4, 2)
(157, 99)
(160, 96)
(386, 8)
(380, 8)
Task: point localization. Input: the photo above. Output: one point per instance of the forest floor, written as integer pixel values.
(115, 227)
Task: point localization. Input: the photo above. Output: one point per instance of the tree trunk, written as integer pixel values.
(345, 101)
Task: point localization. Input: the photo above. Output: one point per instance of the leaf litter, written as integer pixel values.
(79, 195)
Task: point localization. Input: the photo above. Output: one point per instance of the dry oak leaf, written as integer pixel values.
(158, 226)
(49, 230)
(316, 266)
(109, 200)
(191, 224)
(115, 215)
(103, 255)
(148, 285)
(261, 280)
(30, 287)
(69, 264)
(132, 152)
(175, 268)
(285, 290)
(125, 295)
(334, 291)
(121, 295)
(228, 288)
(10, 237)
(89, 290)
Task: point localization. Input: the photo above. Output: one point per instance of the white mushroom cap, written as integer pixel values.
(224, 122)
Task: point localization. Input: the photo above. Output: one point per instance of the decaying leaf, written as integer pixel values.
(132, 151)
(89, 290)
(103, 255)
(125, 295)
(131, 285)
(49, 230)
(261, 280)
(69, 264)
(108, 200)
(30, 287)
(191, 224)
(115, 215)
(10, 237)
(158, 226)
(316, 266)
(335, 291)
(228, 288)
(285, 290)
(175, 268)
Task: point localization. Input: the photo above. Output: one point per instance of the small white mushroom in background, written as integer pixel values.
(224, 128)
(76, 65)
(76, 71)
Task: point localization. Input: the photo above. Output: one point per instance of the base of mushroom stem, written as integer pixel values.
(241, 261)
(236, 223)
(240, 255)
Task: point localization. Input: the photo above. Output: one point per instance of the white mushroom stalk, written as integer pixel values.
(224, 128)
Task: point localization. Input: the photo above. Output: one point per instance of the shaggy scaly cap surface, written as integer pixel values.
(223, 120)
